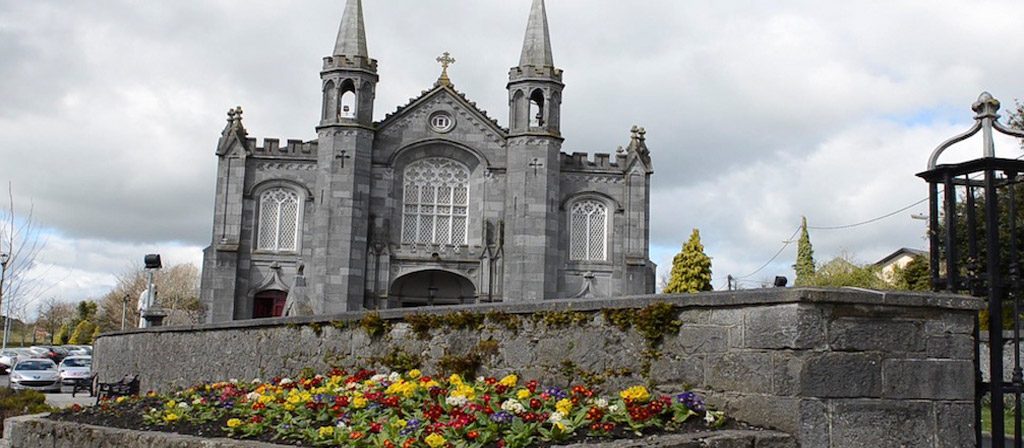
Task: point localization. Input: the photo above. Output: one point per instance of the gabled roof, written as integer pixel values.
(901, 252)
(440, 88)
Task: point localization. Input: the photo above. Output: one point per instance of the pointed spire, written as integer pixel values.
(537, 45)
(352, 34)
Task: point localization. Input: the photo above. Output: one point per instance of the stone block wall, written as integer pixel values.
(835, 368)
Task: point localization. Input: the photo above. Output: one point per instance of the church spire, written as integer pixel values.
(352, 34)
(537, 45)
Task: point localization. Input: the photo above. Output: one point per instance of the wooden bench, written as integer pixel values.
(84, 385)
(125, 388)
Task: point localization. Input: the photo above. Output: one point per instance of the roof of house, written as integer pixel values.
(899, 253)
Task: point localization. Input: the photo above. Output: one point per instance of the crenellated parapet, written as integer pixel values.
(340, 62)
(292, 149)
(535, 73)
(581, 161)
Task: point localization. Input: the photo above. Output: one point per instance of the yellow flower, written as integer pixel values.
(120, 400)
(464, 391)
(523, 394)
(414, 374)
(265, 399)
(359, 402)
(234, 423)
(560, 426)
(288, 407)
(509, 381)
(455, 379)
(563, 406)
(635, 393)
(326, 431)
(435, 440)
(171, 404)
(171, 417)
(400, 424)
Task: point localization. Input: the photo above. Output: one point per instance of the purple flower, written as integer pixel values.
(692, 401)
(501, 417)
(556, 392)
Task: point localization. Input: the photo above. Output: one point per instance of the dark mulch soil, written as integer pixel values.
(129, 416)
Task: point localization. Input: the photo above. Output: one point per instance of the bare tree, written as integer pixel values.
(178, 293)
(52, 313)
(21, 241)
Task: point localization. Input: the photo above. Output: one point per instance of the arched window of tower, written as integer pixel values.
(347, 100)
(330, 99)
(537, 109)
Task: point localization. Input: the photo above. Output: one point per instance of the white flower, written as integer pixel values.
(456, 400)
(613, 408)
(556, 417)
(341, 425)
(601, 403)
(395, 376)
(711, 417)
(256, 381)
(183, 405)
(253, 396)
(233, 381)
(286, 381)
(378, 378)
(480, 379)
(512, 405)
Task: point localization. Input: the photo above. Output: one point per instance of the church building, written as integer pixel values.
(436, 204)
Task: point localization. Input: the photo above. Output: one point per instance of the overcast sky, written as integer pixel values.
(756, 112)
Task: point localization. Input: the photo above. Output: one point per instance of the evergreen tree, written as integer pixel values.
(82, 334)
(95, 334)
(915, 276)
(804, 257)
(61, 337)
(691, 268)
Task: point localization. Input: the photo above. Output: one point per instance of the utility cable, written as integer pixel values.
(784, 246)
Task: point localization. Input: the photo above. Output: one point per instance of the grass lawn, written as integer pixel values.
(986, 420)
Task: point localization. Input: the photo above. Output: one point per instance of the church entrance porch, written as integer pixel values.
(431, 288)
(269, 304)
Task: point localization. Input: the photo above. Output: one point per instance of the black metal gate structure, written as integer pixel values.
(976, 233)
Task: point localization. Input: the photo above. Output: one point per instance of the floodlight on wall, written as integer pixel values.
(781, 281)
(152, 261)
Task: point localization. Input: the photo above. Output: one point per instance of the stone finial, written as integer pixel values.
(445, 60)
(537, 44)
(986, 106)
(352, 33)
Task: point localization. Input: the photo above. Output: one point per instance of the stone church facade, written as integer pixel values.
(437, 204)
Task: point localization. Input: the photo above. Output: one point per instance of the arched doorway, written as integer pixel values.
(432, 288)
(269, 304)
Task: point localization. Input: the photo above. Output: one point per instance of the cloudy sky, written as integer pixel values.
(757, 112)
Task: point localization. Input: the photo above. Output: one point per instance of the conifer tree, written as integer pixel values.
(95, 334)
(691, 268)
(61, 337)
(82, 334)
(804, 257)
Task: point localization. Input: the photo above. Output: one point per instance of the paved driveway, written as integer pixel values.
(61, 400)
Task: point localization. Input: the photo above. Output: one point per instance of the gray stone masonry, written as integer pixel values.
(835, 368)
(38, 431)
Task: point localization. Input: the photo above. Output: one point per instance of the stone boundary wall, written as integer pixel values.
(38, 431)
(835, 368)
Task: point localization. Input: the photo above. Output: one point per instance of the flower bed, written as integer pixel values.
(366, 409)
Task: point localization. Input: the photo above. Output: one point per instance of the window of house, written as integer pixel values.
(588, 231)
(436, 203)
(278, 221)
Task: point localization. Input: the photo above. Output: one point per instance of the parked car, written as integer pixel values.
(35, 374)
(75, 369)
(78, 350)
(55, 354)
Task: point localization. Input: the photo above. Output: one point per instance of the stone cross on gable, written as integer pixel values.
(445, 60)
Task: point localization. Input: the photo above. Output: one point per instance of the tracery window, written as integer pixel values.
(278, 221)
(436, 204)
(588, 231)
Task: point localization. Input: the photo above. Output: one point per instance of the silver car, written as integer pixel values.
(75, 369)
(35, 374)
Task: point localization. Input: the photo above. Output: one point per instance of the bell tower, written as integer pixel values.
(534, 147)
(342, 197)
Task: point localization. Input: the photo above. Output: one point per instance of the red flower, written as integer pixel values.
(256, 419)
(472, 435)
(375, 427)
(535, 403)
(532, 385)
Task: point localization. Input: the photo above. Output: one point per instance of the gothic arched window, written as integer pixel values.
(278, 221)
(588, 231)
(436, 204)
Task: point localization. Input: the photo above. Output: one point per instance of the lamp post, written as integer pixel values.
(124, 310)
(4, 258)
(152, 314)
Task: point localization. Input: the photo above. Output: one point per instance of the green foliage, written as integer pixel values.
(374, 326)
(508, 321)
(653, 322)
(804, 257)
(14, 403)
(691, 268)
(841, 272)
(398, 360)
(562, 319)
(1016, 119)
(87, 310)
(61, 337)
(914, 276)
(469, 364)
(95, 333)
(82, 334)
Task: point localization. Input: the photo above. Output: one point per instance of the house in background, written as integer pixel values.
(899, 259)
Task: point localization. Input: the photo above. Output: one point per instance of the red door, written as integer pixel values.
(269, 304)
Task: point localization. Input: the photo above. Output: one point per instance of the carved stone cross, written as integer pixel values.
(536, 164)
(342, 156)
